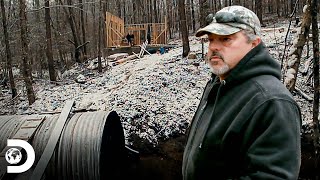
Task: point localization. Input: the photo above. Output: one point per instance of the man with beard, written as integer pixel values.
(247, 125)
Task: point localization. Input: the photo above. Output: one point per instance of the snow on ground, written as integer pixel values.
(155, 96)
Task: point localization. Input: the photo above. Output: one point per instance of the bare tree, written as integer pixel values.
(278, 7)
(169, 15)
(315, 40)
(76, 39)
(193, 16)
(99, 38)
(83, 29)
(295, 54)
(219, 4)
(156, 20)
(94, 22)
(183, 28)
(258, 4)
(26, 70)
(52, 73)
(203, 8)
(57, 34)
(8, 51)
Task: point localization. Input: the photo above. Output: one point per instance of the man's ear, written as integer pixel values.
(256, 42)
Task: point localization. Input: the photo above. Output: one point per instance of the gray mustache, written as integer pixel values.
(216, 54)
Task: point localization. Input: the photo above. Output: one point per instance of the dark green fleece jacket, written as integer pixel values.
(245, 127)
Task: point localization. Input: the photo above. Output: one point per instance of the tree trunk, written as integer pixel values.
(38, 43)
(236, 2)
(288, 12)
(295, 54)
(118, 2)
(188, 14)
(99, 39)
(203, 12)
(150, 14)
(25, 65)
(252, 5)
(292, 5)
(183, 28)
(94, 29)
(156, 19)
(215, 7)
(278, 7)
(41, 54)
(103, 38)
(125, 17)
(62, 60)
(219, 4)
(83, 29)
(52, 72)
(143, 12)
(169, 15)
(76, 41)
(258, 4)
(193, 17)
(315, 40)
(8, 52)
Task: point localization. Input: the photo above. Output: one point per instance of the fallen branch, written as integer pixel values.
(280, 29)
(304, 95)
(126, 59)
(306, 67)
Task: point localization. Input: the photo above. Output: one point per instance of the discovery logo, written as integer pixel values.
(14, 156)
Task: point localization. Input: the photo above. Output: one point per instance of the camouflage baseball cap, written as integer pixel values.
(230, 20)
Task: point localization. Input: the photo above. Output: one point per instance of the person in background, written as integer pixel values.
(132, 39)
(129, 39)
(149, 38)
(247, 125)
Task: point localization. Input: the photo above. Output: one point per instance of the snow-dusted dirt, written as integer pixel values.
(155, 96)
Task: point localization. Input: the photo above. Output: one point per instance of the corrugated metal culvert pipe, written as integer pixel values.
(91, 145)
(8, 127)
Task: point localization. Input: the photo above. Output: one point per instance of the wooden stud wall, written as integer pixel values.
(157, 32)
(139, 31)
(114, 30)
(117, 32)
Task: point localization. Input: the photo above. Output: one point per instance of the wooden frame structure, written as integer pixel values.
(116, 32)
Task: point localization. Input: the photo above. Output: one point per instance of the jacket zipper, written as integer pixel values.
(201, 111)
(214, 107)
(198, 122)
